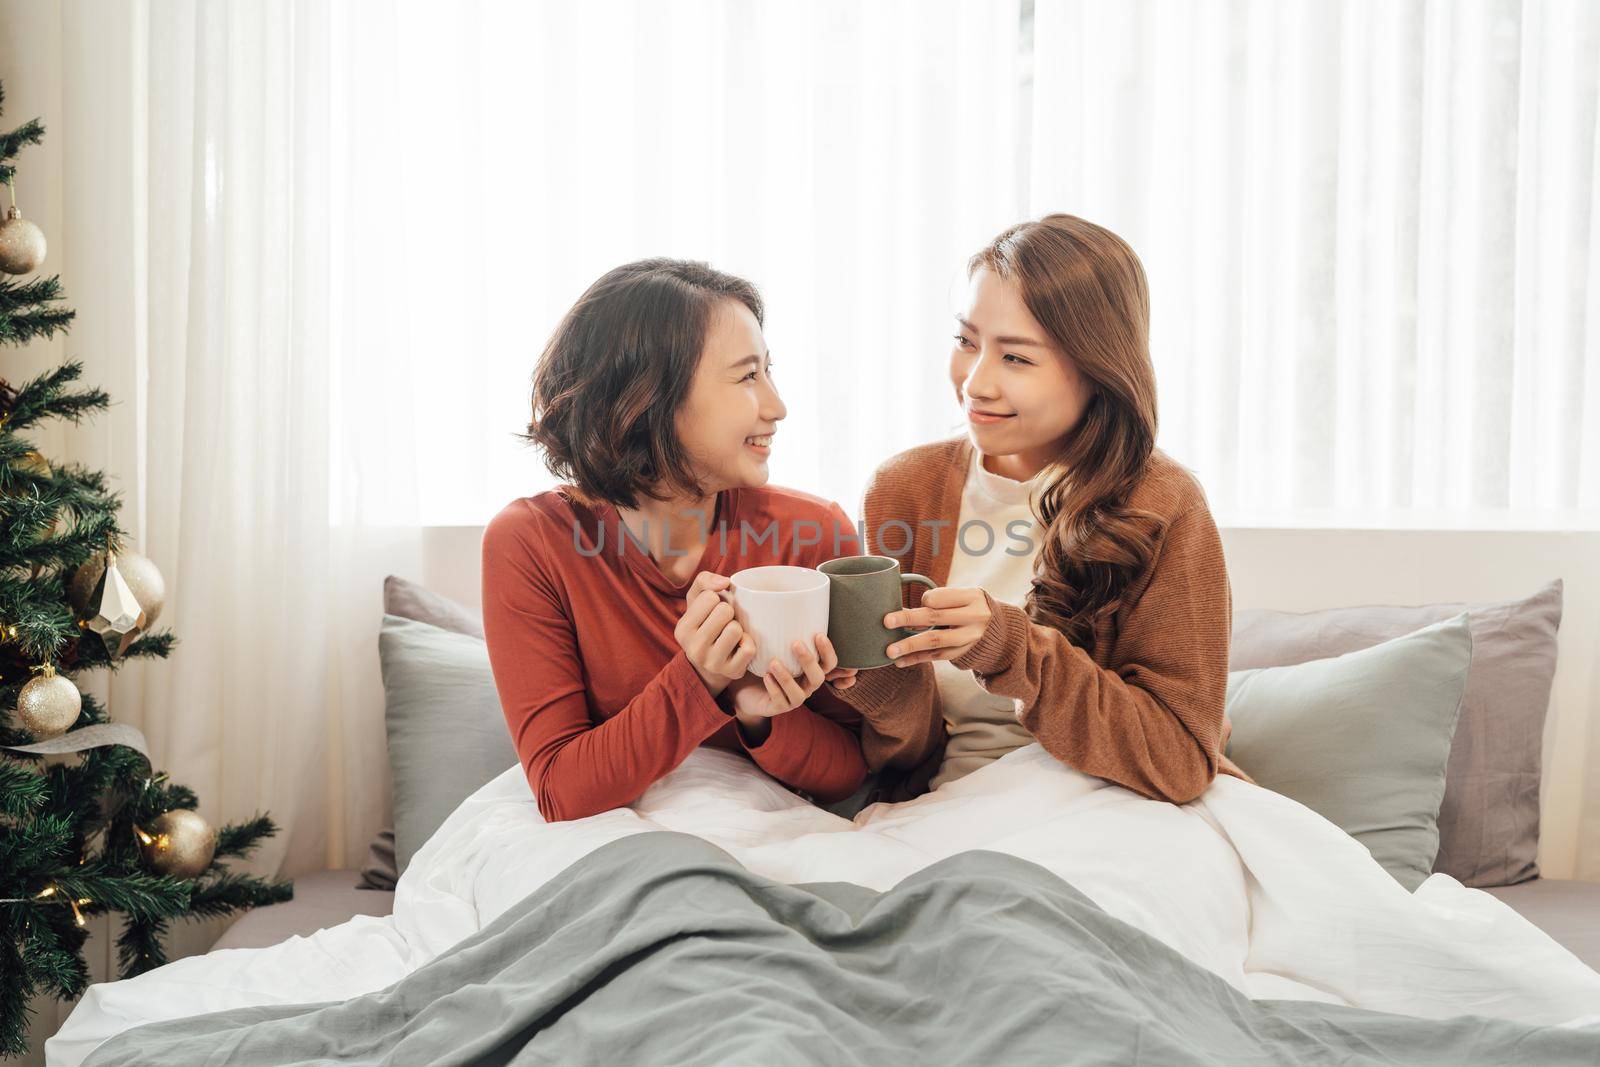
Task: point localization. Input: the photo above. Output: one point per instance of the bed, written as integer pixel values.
(1023, 908)
(322, 899)
(1516, 676)
(1568, 911)
(956, 926)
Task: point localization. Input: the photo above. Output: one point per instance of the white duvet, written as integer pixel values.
(1245, 882)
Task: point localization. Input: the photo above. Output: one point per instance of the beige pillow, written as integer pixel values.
(1489, 820)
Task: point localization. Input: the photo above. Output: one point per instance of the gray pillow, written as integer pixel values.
(409, 600)
(1489, 821)
(447, 735)
(1362, 739)
(379, 871)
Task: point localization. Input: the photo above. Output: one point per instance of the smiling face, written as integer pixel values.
(726, 422)
(1022, 396)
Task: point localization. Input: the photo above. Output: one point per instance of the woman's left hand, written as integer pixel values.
(778, 691)
(961, 614)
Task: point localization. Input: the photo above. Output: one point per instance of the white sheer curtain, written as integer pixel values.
(256, 426)
(844, 156)
(1372, 232)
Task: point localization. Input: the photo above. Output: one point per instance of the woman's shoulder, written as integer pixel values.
(916, 464)
(531, 521)
(552, 505)
(1168, 489)
(782, 502)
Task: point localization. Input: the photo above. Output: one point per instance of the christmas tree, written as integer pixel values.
(97, 831)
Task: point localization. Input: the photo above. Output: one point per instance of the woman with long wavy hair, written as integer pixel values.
(1084, 599)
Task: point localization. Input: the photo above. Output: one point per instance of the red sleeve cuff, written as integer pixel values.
(811, 754)
(698, 709)
(784, 746)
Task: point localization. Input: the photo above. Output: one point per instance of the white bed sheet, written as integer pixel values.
(1247, 883)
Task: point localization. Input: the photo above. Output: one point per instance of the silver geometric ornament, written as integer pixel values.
(117, 611)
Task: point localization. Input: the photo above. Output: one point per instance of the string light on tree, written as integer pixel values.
(47, 895)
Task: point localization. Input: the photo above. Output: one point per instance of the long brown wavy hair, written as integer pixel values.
(1087, 289)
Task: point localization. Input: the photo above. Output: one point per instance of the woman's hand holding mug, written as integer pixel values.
(961, 615)
(757, 699)
(778, 691)
(721, 650)
(717, 646)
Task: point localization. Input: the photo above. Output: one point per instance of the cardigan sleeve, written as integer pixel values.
(575, 767)
(1153, 721)
(902, 725)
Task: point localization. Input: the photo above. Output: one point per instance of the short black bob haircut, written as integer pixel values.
(616, 370)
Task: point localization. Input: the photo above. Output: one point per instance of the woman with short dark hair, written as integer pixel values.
(613, 648)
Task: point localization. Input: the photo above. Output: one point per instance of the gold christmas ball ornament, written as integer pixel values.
(144, 580)
(84, 579)
(142, 577)
(34, 460)
(22, 245)
(48, 705)
(178, 843)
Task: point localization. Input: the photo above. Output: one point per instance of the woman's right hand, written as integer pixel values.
(716, 645)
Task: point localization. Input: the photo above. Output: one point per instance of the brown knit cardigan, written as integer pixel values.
(1144, 710)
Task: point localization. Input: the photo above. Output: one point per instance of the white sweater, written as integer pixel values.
(983, 726)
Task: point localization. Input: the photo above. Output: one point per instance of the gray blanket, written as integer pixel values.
(660, 948)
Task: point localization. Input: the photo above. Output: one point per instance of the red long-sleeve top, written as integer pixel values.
(599, 698)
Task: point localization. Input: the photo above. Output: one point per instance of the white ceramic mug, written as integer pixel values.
(779, 606)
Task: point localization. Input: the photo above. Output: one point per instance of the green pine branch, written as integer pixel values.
(241, 839)
(139, 948)
(48, 396)
(228, 892)
(42, 842)
(24, 310)
(14, 995)
(51, 953)
(139, 895)
(22, 792)
(30, 132)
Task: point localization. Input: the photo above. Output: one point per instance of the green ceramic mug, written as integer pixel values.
(861, 591)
